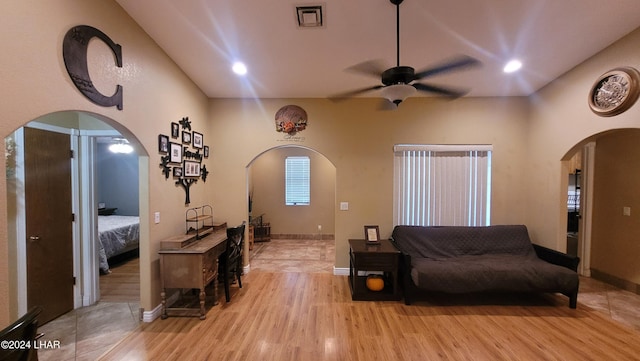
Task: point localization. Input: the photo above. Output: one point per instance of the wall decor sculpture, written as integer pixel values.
(291, 119)
(183, 157)
(74, 52)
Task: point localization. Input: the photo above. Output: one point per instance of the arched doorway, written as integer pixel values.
(608, 199)
(83, 129)
(266, 196)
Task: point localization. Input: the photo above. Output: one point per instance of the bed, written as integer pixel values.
(117, 235)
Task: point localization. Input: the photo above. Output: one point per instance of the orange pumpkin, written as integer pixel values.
(375, 282)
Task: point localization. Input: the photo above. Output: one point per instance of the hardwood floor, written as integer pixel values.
(306, 313)
(310, 316)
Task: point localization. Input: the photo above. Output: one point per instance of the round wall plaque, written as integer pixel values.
(615, 91)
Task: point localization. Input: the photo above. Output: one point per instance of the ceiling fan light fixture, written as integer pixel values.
(397, 93)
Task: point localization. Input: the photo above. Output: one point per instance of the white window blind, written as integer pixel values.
(297, 176)
(442, 185)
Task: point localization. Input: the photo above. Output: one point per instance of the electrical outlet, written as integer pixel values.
(319, 228)
(156, 217)
(626, 211)
(344, 206)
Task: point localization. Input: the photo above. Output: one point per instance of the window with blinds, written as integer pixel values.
(297, 179)
(442, 185)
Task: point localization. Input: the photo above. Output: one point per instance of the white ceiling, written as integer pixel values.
(549, 36)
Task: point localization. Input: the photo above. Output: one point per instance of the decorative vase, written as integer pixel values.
(375, 282)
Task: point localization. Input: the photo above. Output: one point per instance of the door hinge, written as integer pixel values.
(73, 217)
(74, 280)
(71, 153)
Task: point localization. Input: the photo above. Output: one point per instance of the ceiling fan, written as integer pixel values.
(398, 82)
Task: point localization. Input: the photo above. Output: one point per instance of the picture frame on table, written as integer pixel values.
(163, 144)
(191, 168)
(175, 153)
(197, 140)
(372, 234)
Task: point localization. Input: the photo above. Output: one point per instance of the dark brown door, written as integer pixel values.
(48, 222)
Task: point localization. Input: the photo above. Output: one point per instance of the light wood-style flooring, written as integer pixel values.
(309, 315)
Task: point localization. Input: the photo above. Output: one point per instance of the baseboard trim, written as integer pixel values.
(615, 281)
(318, 236)
(340, 271)
(150, 316)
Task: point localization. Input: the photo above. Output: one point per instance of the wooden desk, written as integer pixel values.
(191, 263)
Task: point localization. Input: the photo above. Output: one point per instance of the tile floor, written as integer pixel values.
(88, 332)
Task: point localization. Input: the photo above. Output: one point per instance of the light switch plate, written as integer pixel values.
(344, 206)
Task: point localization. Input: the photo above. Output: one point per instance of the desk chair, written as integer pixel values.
(24, 329)
(231, 259)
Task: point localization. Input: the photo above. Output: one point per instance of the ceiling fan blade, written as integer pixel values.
(370, 67)
(457, 63)
(352, 93)
(448, 92)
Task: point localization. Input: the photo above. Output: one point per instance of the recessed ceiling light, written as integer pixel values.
(239, 68)
(512, 66)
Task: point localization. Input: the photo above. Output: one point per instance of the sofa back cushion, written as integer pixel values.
(439, 242)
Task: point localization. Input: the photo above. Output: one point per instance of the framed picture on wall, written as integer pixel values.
(186, 137)
(177, 172)
(372, 234)
(205, 151)
(175, 153)
(191, 168)
(163, 144)
(175, 130)
(197, 140)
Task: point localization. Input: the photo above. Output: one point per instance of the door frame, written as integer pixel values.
(86, 291)
(586, 207)
(21, 247)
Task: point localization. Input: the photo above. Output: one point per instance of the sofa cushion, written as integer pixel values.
(491, 272)
(454, 241)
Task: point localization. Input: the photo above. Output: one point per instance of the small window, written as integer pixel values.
(297, 171)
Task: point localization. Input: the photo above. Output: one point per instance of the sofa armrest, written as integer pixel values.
(557, 258)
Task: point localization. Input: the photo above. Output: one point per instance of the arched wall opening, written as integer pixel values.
(265, 195)
(84, 129)
(608, 168)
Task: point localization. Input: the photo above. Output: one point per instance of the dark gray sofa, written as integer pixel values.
(499, 258)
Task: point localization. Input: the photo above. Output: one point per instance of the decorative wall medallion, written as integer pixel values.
(74, 52)
(291, 119)
(615, 91)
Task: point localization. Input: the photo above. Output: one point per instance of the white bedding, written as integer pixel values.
(117, 235)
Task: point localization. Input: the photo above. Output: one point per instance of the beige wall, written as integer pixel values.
(268, 188)
(156, 92)
(358, 139)
(616, 238)
(560, 119)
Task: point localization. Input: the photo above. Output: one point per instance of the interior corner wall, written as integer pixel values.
(560, 119)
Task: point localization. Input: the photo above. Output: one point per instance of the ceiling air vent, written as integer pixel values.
(310, 16)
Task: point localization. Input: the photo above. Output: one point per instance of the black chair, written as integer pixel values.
(25, 330)
(231, 259)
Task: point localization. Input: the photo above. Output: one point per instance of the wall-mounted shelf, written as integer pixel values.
(199, 221)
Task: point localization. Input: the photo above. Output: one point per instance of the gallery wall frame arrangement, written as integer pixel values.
(181, 155)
